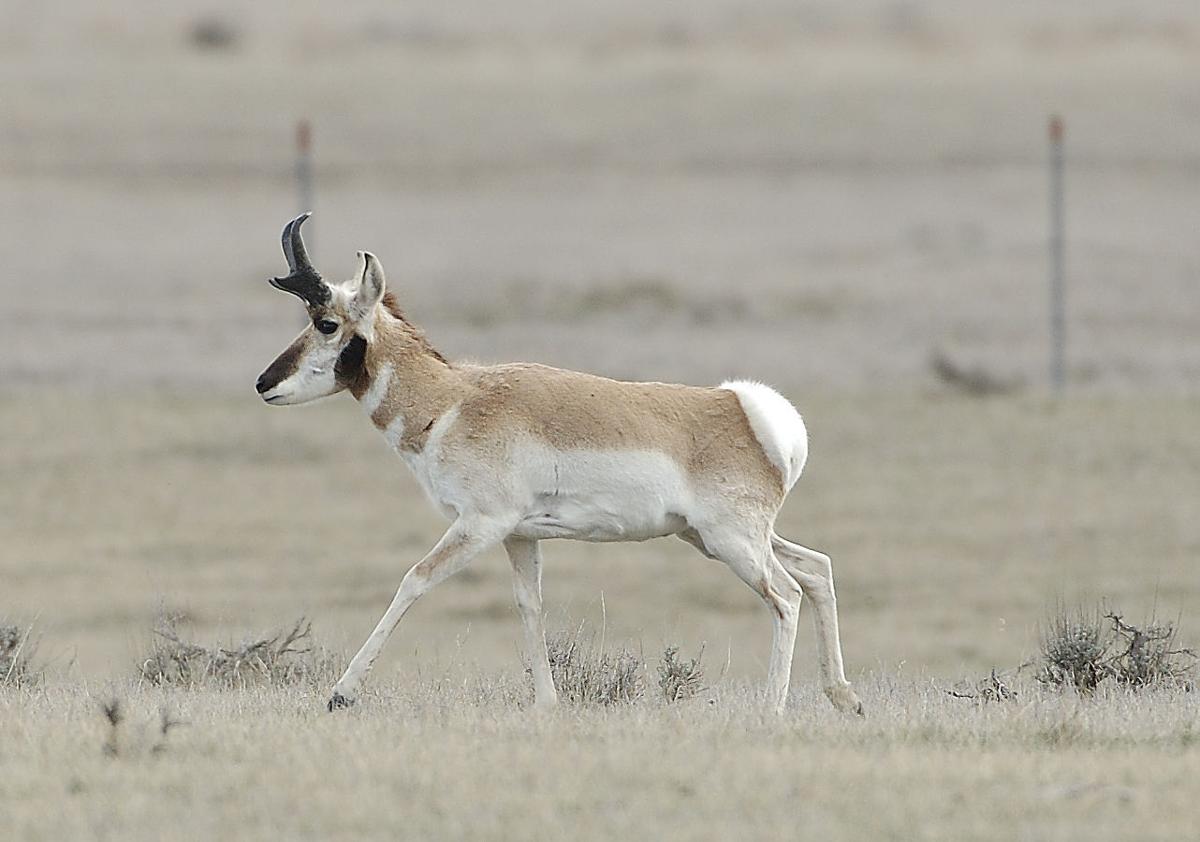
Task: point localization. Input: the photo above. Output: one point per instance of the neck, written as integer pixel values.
(404, 386)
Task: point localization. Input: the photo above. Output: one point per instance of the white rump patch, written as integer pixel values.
(776, 424)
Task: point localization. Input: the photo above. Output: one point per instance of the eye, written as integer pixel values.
(326, 326)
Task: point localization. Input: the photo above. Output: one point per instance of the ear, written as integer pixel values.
(371, 286)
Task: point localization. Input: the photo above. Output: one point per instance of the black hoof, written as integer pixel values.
(339, 702)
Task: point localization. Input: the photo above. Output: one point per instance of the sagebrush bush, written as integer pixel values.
(1149, 655)
(1074, 649)
(585, 674)
(1084, 648)
(283, 658)
(679, 679)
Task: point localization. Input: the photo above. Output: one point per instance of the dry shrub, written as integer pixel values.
(16, 656)
(1080, 649)
(679, 679)
(1074, 649)
(1150, 655)
(990, 689)
(584, 673)
(287, 657)
(976, 382)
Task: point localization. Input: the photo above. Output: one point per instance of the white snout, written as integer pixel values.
(314, 378)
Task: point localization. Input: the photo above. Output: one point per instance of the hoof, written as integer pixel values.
(339, 702)
(845, 699)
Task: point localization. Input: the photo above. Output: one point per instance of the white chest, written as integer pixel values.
(427, 464)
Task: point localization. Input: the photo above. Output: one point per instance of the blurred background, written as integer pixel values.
(848, 200)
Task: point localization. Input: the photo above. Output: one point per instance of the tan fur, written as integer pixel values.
(704, 430)
(415, 334)
(423, 385)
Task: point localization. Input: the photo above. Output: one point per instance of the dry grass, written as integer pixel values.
(585, 672)
(123, 739)
(17, 656)
(993, 688)
(284, 658)
(267, 763)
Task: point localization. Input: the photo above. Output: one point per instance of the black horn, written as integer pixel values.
(303, 280)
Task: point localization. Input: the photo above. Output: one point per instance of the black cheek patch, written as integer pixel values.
(350, 361)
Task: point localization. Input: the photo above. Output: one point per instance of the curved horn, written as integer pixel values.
(303, 281)
(287, 245)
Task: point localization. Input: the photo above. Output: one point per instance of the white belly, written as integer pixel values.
(601, 496)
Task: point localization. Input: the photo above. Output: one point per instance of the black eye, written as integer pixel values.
(326, 326)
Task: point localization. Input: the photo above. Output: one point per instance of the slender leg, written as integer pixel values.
(754, 563)
(526, 559)
(465, 538)
(784, 600)
(814, 572)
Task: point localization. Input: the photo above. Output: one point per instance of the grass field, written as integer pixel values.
(457, 757)
(819, 195)
(954, 524)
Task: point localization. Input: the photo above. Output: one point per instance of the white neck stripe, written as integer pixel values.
(394, 432)
(378, 389)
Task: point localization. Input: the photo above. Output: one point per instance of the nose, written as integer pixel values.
(261, 385)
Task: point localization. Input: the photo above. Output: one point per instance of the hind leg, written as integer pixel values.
(749, 556)
(526, 559)
(814, 572)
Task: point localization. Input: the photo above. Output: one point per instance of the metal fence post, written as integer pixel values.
(1058, 326)
(304, 176)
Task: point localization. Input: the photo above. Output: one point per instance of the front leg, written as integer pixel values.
(464, 540)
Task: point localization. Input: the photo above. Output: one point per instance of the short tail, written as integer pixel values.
(776, 424)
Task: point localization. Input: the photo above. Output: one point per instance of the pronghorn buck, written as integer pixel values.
(514, 454)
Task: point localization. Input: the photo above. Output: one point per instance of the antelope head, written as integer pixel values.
(327, 356)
